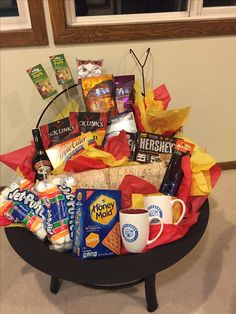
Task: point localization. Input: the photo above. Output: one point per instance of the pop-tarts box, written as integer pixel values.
(96, 223)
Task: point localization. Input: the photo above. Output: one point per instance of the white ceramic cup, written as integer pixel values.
(135, 229)
(162, 206)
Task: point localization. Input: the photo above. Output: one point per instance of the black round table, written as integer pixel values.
(113, 272)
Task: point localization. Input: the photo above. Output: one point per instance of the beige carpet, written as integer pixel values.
(204, 282)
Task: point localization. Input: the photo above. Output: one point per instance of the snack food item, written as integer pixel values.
(126, 122)
(96, 229)
(59, 131)
(60, 153)
(41, 80)
(124, 92)
(61, 69)
(94, 122)
(154, 148)
(25, 206)
(56, 219)
(88, 68)
(99, 94)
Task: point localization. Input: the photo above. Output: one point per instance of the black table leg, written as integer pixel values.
(150, 292)
(55, 284)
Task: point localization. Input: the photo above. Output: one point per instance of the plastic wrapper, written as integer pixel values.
(56, 219)
(24, 206)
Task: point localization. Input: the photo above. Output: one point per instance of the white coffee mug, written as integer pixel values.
(162, 206)
(135, 229)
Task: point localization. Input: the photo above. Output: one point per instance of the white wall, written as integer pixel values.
(200, 73)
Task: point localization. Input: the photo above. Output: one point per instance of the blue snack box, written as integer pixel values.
(96, 223)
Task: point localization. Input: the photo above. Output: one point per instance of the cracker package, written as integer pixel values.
(61, 69)
(41, 80)
(96, 224)
(154, 148)
(99, 94)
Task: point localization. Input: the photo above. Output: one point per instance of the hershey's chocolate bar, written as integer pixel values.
(154, 148)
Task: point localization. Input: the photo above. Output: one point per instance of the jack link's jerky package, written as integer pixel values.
(124, 92)
(99, 94)
(95, 122)
(59, 131)
(61, 69)
(154, 148)
(41, 80)
(88, 68)
(25, 207)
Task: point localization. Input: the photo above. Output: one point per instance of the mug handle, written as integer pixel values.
(161, 229)
(183, 209)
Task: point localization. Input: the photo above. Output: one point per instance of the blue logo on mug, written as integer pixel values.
(155, 210)
(129, 232)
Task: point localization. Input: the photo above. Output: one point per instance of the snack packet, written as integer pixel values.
(24, 206)
(124, 92)
(59, 131)
(88, 68)
(154, 148)
(56, 220)
(126, 122)
(99, 94)
(95, 122)
(67, 185)
(61, 69)
(60, 153)
(41, 80)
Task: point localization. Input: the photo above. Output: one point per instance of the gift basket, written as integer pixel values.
(101, 146)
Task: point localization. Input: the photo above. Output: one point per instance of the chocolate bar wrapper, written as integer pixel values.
(154, 148)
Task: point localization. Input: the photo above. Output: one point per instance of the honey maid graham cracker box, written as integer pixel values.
(96, 224)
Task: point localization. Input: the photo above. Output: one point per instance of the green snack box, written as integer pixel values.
(61, 69)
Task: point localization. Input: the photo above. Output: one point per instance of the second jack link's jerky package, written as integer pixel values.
(154, 148)
(95, 122)
(59, 131)
(126, 122)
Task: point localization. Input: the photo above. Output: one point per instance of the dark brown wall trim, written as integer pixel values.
(64, 34)
(227, 165)
(35, 36)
